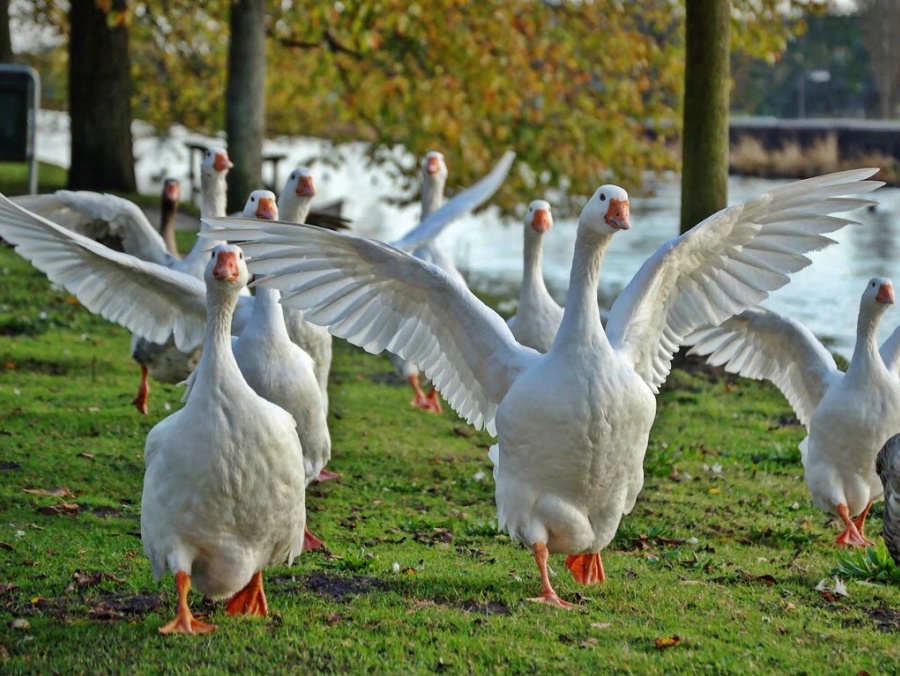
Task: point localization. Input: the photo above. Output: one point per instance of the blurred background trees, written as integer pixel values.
(584, 92)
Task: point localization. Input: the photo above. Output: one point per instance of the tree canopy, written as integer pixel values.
(584, 91)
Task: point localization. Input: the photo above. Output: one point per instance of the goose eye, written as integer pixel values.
(602, 197)
(242, 255)
(212, 254)
(252, 199)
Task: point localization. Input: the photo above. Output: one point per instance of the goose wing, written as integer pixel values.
(380, 298)
(727, 263)
(146, 298)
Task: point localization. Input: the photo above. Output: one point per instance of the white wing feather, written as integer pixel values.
(762, 345)
(458, 206)
(383, 299)
(890, 352)
(84, 211)
(148, 299)
(727, 263)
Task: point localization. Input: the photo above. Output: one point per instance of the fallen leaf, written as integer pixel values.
(6, 588)
(20, 623)
(667, 642)
(768, 579)
(53, 492)
(8, 547)
(601, 625)
(72, 300)
(334, 618)
(589, 642)
(86, 456)
(80, 580)
(713, 491)
(464, 432)
(62, 509)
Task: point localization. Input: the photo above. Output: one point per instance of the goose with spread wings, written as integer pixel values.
(848, 416)
(572, 425)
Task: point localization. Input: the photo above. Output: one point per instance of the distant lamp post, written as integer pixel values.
(818, 76)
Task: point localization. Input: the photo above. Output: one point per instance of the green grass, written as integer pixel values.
(724, 548)
(14, 178)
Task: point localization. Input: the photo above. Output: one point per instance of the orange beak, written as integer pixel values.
(885, 294)
(541, 220)
(266, 209)
(226, 269)
(434, 165)
(305, 187)
(617, 214)
(172, 191)
(222, 162)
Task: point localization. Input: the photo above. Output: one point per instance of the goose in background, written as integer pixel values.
(887, 465)
(848, 416)
(538, 316)
(294, 204)
(421, 241)
(279, 370)
(572, 425)
(224, 484)
(168, 209)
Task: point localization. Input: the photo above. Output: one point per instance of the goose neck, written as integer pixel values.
(865, 352)
(292, 208)
(533, 275)
(267, 311)
(581, 317)
(217, 361)
(212, 194)
(432, 195)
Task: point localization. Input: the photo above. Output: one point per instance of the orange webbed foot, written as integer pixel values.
(185, 622)
(143, 393)
(586, 568)
(852, 535)
(311, 542)
(552, 600)
(251, 600)
(434, 402)
(325, 475)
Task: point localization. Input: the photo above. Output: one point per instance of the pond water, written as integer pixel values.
(488, 249)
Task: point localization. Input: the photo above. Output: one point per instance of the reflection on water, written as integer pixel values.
(488, 249)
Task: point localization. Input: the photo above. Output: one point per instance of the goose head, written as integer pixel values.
(879, 294)
(607, 211)
(261, 204)
(538, 218)
(226, 267)
(433, 165)
(171, 191)
(300, 182)
(215, 161)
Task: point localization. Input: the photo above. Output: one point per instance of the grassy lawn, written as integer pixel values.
(723, 550)
(14, 178)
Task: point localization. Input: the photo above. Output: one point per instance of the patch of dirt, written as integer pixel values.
(487, 608)
(697, 366)
(7, 465)
(333, 586)
(885, 619)
(103, 511)
(435, 536)
(121, 606)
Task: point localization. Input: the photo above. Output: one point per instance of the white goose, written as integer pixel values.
(224, 486)
(572, 424)
(887, 465)
(848, 416)
(280, 371)
(421, 241)
(294, 203)
(538, 316)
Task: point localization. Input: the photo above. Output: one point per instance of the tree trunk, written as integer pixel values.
(6, 52)
(245, 99)
(704, 169)
(99, 99)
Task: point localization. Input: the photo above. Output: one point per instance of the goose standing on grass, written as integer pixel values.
(294, 202)
(224, 484)
(538, 316)
(421, 241)
(168, 210)
(572, 424)
(279, 370)
(848, 416)
(887, 464)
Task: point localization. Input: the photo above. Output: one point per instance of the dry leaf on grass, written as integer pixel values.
(80, 580)
(52, 492)
(667, 642)
(62, 509)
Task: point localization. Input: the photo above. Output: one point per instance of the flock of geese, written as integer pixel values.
(569, 394)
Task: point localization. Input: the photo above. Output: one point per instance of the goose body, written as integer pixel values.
(224, 483)
(573, 424)
(849, 416)
(887, 465)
